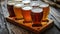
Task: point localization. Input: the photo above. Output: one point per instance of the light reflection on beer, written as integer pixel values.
(46, 10)
(37, 15)
(26, 14)
(10, 9)
(18, 11)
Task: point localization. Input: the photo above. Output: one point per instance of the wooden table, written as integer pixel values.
(8, 28)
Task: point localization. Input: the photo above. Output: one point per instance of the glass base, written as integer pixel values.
(46, 20)
(27, 21)
(36, 25)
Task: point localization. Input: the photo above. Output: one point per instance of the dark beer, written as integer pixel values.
(10, 9)
(37, 15)
(26, 11)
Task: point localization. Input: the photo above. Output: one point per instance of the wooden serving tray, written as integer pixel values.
(28, 26)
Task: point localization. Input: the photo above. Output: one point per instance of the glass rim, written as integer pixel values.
(18, 5)
(34, 3)
(25, 8)
(26, 1)
(10, 3)
(44, 5)
(17, 0)
(37, 10)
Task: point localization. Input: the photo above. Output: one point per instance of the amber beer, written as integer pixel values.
(46, 11)
(37, 15)
(18, 11)
(10, 9)
(26, 14)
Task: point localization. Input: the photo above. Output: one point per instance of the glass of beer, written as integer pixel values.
(37, 14)
(46, 10)
(18, 11)
(26, 14)
(10, 8)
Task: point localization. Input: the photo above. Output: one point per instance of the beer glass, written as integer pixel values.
(46, 10)
(37, 14)
(26, 14)
(18, 11)
(10, 8)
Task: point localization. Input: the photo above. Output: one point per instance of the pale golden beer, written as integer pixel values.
(37, 15)
(27, 14)
(46, 10)
(18, 11)
(10, 8)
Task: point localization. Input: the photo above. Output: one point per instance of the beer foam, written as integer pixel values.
(37, 10)
(34, 3)
(27, 8)
(25, 1)
(11, 3)
(44, 5)
(18, 5)
(17, 0)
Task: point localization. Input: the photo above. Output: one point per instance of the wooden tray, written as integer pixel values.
(28, 26)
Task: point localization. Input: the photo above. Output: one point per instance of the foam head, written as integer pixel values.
(37, 10)
(26, 1)
(27, 8)
(17, 0)
(18, 5)
(44, 5)
(34, 3)
(11, 3)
